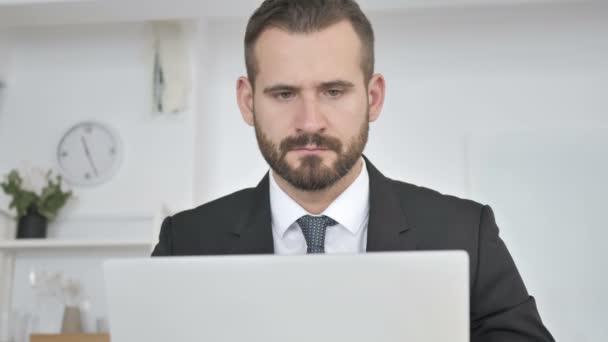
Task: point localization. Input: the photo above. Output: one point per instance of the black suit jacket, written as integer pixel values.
(402, 217)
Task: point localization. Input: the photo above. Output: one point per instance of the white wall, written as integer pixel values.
(456, 79)
(59, 76)
(4, 63)
(549, 189)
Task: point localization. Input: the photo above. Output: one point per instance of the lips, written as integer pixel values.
(310, 148)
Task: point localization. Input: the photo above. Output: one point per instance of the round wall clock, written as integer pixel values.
(89, 153)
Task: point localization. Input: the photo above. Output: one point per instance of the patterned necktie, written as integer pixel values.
(313, 228)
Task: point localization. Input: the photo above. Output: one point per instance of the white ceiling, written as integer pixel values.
(47, 12)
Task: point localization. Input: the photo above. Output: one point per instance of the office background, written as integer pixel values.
(503, 102)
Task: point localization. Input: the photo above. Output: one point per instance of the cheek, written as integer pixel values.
(347, 117)
(273, 120)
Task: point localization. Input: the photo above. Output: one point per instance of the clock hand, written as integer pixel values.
(88, 154)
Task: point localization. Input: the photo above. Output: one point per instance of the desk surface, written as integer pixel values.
(71, 338)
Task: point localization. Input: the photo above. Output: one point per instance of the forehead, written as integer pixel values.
(329, 54)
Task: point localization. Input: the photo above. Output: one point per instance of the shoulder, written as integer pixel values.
(204, 229)
(425, 198)
(421, 201)
(227, 210)
(441, 221)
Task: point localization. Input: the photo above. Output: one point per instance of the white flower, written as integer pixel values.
(24, 171)
(34, 177)
(39, 180)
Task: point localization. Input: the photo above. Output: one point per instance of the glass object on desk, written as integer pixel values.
(72, 323)
(48, 302)
(16, 327)
(102, 325)
(6, 326)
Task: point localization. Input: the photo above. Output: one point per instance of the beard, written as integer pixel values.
(312, 174)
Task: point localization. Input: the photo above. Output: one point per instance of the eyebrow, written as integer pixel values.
(324, 85)
(337, 84)
(279, 87)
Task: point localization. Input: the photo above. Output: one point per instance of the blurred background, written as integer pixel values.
(501, 101)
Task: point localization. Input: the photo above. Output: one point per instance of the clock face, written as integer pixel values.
(89, 154)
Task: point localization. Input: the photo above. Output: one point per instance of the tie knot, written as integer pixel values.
(313, 228)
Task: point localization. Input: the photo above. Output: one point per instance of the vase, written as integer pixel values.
(32, 225)
(72, 323)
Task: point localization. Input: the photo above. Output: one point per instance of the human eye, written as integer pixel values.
(283, 95)
(334, 92)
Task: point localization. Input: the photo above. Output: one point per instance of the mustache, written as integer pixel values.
(301, 141)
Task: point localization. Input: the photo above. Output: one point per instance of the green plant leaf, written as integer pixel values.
(51, 199)
(22, 199)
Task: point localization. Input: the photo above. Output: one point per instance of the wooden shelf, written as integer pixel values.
(28, 244)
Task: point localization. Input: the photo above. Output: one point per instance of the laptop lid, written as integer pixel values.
(383, 297)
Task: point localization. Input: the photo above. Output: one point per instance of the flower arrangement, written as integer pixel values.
(47, 202)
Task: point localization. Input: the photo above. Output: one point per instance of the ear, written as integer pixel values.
(244, 98)
(375, 92)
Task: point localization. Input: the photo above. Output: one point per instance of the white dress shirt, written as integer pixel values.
(350, 209)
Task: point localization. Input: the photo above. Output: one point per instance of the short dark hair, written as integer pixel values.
(307, 16)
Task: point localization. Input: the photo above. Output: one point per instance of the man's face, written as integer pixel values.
(310, 104)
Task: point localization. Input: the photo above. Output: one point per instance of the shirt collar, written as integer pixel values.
(349, 209)
(285, 211)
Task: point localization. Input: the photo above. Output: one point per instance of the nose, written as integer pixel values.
(310, 117)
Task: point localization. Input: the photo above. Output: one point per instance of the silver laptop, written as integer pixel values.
(380, 297)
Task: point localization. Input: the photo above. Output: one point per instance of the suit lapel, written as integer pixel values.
(388, 228)
(254, 234)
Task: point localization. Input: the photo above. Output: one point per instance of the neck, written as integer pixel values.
(315, 202)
